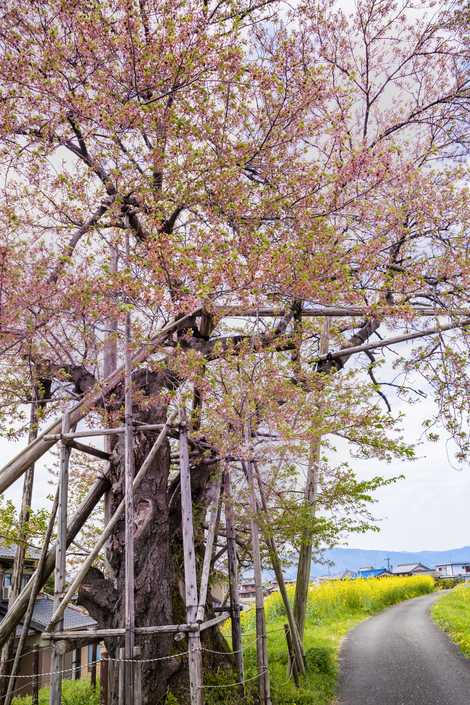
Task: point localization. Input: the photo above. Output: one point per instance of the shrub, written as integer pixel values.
(73, 693)
(319, 659)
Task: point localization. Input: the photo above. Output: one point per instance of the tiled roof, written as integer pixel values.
(9, 552)
(73, 617)
(408, 567)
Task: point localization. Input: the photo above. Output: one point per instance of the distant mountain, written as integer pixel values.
(353, 558)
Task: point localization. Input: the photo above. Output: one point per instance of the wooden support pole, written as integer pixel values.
(100, 634)
(137, 663)
(104, 678)
(57, 661)
(18, 563)
(292, 658)
(214, 513)
(35, 682)
(36, 580)
(129, 585)
(233, 581)
(77, 663)
(94, 656)
(89, 450)
(190, 576)
(214, 621)
(294, 635)
(304, 564)
(21, 462)
(122, 678)
(335, 311)
(76, 582)
(261, 645)
(45, 568)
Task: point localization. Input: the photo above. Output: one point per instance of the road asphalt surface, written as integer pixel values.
(400, 657)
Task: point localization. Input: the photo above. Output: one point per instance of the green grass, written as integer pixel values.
(73, 693)
(452, 614)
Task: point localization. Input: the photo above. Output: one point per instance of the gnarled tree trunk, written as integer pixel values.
(159, 576)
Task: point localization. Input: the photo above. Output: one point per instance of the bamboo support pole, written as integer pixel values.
(23, 460)
(190, 576)
(233, 581)
(76, 582)
(57, 662)
(16, 612)
(206, 566)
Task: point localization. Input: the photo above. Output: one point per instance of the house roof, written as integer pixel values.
(441, 565)
(409, 567)
(42, 613)
(372, 572)
(32, 553)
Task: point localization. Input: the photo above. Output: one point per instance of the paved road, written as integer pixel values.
(400, 657)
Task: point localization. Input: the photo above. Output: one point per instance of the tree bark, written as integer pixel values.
(158, 565)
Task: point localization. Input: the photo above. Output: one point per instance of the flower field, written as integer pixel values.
(337, 599)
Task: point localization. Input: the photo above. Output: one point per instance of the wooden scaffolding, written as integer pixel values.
(64, 433)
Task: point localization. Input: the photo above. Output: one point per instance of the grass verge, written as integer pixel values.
(452, 614)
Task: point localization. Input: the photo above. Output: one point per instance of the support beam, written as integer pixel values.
(232, 559)
(261, 644)
(277, 567)
(347, 352)
(29, 455)
(89, 450)
(215, 621)
(57, 661)
(129, 585)
(100, 634)
(77, 581)
(36, 581)
(190, 576)
(206, 566)
(336, 311)
(20, 554)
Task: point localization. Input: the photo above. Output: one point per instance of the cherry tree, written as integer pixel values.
(251, 170)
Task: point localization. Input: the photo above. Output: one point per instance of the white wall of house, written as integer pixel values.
(454, 570)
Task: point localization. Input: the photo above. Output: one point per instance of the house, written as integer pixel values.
(78, 661)
(247, 590)
(371, 572)
(453, 570)
(366, 572)
(407, 569)
(7, 556)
